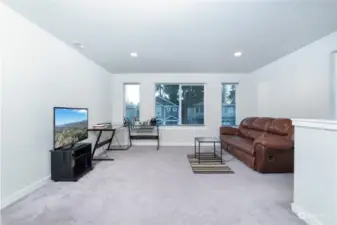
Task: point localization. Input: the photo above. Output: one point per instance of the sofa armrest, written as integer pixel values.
(229, 130)
(280, 143)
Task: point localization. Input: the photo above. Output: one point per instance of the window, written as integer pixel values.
(131, 98)
(228, 104)
(180, 103)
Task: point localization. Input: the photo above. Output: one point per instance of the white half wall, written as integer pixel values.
(40, 72)
(315, 172)
(177, 135)
(297, 85)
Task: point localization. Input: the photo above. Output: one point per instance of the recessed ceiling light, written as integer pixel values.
(77, 44)
(238, 54)
(134, 54)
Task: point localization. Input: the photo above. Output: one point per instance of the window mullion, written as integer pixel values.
(180, 109)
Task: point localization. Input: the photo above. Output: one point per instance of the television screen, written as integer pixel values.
(70, 126)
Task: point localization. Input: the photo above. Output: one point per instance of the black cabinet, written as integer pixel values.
(71, 164)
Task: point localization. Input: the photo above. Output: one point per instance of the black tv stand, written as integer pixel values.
(72, 163)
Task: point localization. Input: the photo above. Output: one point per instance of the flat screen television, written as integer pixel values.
(70, 126)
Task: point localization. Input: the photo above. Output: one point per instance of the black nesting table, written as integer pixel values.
(199, 140)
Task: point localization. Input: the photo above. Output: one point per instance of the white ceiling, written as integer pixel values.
(183, 36)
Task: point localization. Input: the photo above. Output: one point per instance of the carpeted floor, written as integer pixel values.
(148, 187)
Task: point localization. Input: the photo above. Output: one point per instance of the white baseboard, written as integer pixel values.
(24, 192)
(309, 218)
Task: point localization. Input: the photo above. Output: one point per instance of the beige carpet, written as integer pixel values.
(144, 186)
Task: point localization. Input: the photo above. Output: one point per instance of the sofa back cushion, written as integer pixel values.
(247, 122)
(281, 127)
(261, 124)
(245, 127)
(250, 133)
(254, 127)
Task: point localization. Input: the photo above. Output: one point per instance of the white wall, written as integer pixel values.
(248, 98)
(40, 72)
(297, 85)
(183, 135)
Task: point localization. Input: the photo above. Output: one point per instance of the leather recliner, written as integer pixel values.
(264, 144)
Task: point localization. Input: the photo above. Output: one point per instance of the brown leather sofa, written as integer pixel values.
(264, 144)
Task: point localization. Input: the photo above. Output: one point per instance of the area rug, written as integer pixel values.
(208, 164)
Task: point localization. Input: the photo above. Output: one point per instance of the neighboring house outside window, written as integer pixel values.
(131, 111)
(195, 112)
(228, 114)
(158, 110)
(166, 112)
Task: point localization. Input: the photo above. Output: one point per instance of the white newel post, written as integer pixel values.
(315, 172)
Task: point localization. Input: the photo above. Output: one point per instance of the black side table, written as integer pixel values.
(200, 140)
(144, 132)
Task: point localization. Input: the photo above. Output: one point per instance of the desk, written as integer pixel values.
(119, 146)
(99, 143)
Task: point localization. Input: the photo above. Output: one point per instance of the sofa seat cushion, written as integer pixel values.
(245, 145)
